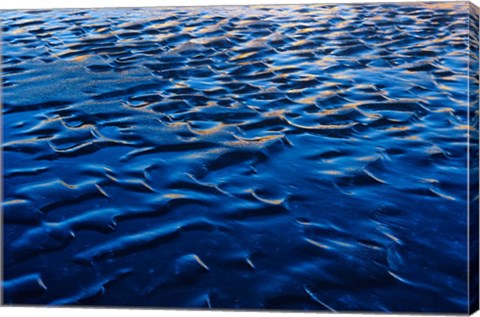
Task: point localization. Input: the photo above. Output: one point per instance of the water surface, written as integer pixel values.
(309, 157)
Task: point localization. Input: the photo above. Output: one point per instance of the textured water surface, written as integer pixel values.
(307, 157)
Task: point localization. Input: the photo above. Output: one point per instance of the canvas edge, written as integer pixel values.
(473, 159)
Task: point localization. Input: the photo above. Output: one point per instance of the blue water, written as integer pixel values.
(309, 157)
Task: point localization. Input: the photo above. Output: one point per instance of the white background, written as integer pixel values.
(83, 312)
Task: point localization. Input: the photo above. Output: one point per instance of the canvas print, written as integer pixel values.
(318, 157)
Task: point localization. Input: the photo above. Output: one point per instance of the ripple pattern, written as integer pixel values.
(309, 157)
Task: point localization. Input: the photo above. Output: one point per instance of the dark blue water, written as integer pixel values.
(309, 157)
